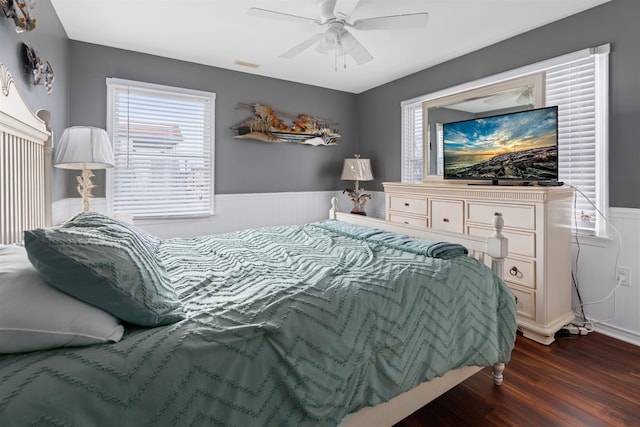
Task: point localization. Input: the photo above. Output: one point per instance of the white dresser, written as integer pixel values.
(537, 223)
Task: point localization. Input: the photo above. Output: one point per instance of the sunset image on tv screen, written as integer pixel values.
(522, 145)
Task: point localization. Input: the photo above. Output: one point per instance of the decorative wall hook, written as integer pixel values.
(20, 12)
(41, 72)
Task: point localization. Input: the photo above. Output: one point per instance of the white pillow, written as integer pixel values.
(36, 316)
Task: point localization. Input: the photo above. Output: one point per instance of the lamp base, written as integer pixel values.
(359, 199)
(85, 186)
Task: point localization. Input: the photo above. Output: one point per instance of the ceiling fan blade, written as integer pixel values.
(326, 10)
(394, 22)
(279, 16)
(344, 8)
(357, 51)
(302, 46)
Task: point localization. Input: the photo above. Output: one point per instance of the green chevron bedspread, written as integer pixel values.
(291, 325)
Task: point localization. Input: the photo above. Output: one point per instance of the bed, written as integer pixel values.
(347, 321)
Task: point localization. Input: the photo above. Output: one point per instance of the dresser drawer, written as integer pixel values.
(515, 216)
(414, 205)
(447, 215)
(517, 271)
(520, 243)
(525, 302)
(410, 220)
(520, 272)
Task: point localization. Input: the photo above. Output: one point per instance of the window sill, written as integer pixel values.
(583, 238)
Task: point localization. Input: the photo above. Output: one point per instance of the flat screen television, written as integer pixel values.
(515, 146)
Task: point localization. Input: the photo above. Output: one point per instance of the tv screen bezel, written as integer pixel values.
(494, 180)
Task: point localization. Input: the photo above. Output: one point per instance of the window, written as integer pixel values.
(582, 156)
(412, 155)
(578, 84)
(163, 145)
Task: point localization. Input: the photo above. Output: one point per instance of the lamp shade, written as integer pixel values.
(84, 147)
(357, 170)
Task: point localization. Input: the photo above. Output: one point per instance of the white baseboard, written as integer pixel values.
(619, 333)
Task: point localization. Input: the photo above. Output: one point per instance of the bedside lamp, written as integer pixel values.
(84, 148)
(357, 170)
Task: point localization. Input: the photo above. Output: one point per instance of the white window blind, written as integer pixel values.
(163, 147)
(572, 87)
(412, 143)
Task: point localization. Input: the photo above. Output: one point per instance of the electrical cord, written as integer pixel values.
(582, 304)
(574, 272)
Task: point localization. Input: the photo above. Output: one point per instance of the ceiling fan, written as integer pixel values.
(335, 19)
(517, 96)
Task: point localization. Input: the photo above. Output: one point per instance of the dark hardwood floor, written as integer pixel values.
(591, 380)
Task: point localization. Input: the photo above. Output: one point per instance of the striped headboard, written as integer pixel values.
(25, 163)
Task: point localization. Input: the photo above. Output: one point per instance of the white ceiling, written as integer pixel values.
(219, 33)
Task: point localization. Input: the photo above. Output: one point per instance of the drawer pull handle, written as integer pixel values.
(445, 219)
(406, 204)
(515, 272)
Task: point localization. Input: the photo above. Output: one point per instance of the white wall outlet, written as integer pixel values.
(623, 276)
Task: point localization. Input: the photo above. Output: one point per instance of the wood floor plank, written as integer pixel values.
(589, 381)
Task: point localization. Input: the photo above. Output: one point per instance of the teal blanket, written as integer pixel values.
(443, 250)
(294, 326)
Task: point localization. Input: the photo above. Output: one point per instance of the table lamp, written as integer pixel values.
(84, 148)
(357, 170)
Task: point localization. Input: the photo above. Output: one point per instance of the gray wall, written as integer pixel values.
(369, 122)
(241, 165)
(50, 40)
(614, 22)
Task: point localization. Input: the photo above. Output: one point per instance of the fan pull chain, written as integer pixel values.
(338, 45)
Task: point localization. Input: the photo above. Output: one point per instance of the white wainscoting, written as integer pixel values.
(619, 314)
(595, 267)
(239, 211)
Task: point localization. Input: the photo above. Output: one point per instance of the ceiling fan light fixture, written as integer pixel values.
(334, 32)
(526, 97)
(322, 47)
(329, 42)
(347, 41)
